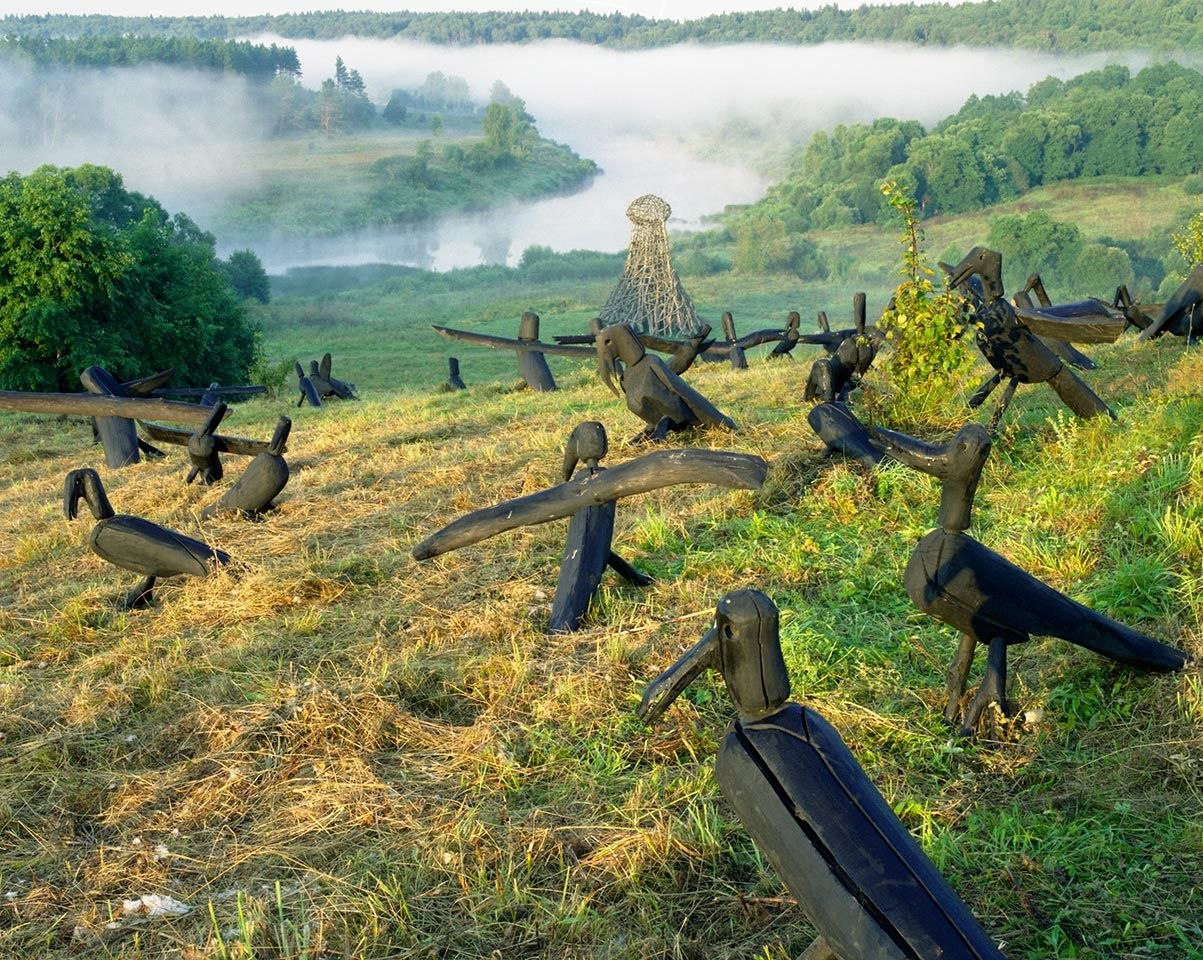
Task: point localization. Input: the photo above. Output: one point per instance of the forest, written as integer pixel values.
(1059, 25)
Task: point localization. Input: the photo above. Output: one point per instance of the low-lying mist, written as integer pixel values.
(179, 135)
(703, 126)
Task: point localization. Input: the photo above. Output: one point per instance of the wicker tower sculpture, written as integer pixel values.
(649, 297)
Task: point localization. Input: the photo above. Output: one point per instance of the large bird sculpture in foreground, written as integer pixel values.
(858, 875)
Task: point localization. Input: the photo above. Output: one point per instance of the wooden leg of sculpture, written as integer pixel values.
(958, 673)
(140, 596)
(1003, 403)
(984, 391)
(993, 689)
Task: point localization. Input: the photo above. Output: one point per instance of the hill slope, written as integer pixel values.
(339, 751)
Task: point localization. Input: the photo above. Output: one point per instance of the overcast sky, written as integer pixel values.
(675, 9)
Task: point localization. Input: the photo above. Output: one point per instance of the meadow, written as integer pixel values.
(335, 751)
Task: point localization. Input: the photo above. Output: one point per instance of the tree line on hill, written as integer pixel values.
(255, 61)
(995, 148)
(1061, 25)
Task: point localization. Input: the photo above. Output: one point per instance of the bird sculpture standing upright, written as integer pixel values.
(987, 598)
(835, 376)
(1011, 347)
(857, 874)
(136, 544)
(655, 394)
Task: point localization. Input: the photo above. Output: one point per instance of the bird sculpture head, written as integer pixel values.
(744, 646)
(528, 326)
(279, 441)
(729, 326)
(617, 347)
(84, 484)
(587, 444)
(793, 321)
(982, 263)
(962, 457)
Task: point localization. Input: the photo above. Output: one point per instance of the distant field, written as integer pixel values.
(382, 332)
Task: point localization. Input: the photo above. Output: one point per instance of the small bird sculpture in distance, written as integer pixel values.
(857, 874)
(136, 544)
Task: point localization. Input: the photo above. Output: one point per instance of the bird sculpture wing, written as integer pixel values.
(511, 343)
(856, 871)
(1090, 321)
(662, 468)
(239, 446)
(702, 408)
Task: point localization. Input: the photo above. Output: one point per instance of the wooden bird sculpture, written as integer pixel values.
(861, 879)
(987, 598)
(262, 480)
(1182, 314)
(454, 380)
(136, 544)
(530, 349)
(834, 377)
(659, 397)
(590, 496)
(1012, 347)
(119, 435)
(319, 385)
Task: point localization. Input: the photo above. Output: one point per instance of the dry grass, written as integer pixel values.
(335, 751)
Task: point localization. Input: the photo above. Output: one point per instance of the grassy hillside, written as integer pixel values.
(336, 751)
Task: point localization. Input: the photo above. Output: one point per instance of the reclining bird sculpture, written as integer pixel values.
(318, 385)
(857, 874)
(590, 497)
(1181, 315)
(1013, 348)
(987, 598)
(136, 544)
(653, 392)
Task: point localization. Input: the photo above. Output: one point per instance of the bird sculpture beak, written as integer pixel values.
(662, 691)
(280, 437)
(607, 357)
(924, 457)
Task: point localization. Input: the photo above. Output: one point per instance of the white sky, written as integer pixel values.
(671, 9)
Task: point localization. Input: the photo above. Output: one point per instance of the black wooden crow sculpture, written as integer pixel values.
(590, 496)
(991, 601)
(655, 394)
(858, 875)
(136, 544)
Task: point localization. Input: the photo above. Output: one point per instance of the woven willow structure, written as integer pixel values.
(649, 296)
